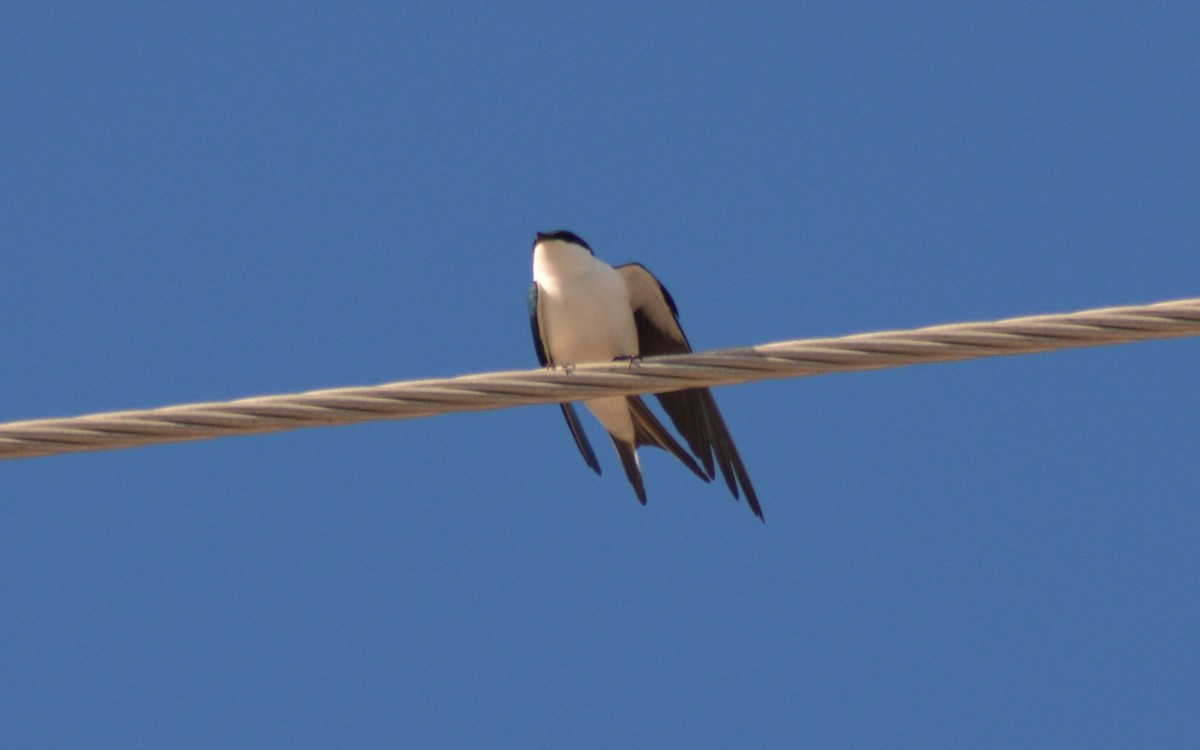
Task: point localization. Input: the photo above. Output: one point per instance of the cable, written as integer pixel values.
(500, 390)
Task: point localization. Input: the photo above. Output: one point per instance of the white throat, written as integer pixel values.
(556, 262)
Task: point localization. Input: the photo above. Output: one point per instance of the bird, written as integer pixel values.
(581, 309)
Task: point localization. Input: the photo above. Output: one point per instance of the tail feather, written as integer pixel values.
(728, 457)
(649, 431)
(687, 412)
(633, 470)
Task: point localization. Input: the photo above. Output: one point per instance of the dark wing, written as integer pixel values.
(539, 346)
(568, 410)
(693, 411)
(581, 439)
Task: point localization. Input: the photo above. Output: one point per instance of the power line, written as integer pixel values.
(500, 390)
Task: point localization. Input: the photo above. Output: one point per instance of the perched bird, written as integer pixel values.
(583, 310)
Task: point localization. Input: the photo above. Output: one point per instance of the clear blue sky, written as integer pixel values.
(230, 200)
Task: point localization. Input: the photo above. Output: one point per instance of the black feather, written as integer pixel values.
(531, 301)
(581, 438)
(628, 454)
(563, 236)
(693, 411)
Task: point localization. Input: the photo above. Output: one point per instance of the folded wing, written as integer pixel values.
(568, 409)
(693, 411)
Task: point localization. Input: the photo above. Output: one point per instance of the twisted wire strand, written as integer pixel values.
(500, 390)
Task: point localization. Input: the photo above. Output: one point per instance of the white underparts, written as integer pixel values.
(585, 316)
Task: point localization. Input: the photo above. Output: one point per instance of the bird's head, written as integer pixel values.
(561, 236)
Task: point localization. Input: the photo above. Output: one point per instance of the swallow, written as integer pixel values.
(581, 309)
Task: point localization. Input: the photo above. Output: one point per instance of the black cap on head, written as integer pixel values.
(563, 236)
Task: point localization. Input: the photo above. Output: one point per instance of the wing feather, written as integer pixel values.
(581, 438)
(693, 411)
(568, 409)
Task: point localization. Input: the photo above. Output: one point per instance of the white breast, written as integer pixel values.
(585, 316)
(585, 311)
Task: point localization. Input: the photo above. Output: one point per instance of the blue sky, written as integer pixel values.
(213, 201)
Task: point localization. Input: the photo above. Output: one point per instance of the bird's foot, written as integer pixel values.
(633, 360)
